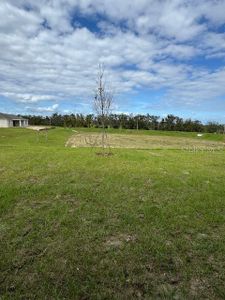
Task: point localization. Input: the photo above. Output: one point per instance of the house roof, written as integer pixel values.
(10, 117)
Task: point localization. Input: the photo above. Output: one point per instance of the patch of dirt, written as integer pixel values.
(120, 240)
(136, 141)
(202, 236)
(114, 242)
(197, 286)
(149, 183)
(105, 154)
(185, 172)
(40, 128)
(155, 154)
(33, 179)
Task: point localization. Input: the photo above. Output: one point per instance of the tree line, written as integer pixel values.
(124, 121)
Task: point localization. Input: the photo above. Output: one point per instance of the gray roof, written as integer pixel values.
(10, 117)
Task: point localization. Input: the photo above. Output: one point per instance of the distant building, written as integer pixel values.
(7, 120)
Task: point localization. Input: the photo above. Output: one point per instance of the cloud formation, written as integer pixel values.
(43, 110)
(50, 50)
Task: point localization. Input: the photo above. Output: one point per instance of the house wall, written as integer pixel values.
(4, 123)
(9, 123)
(25, 123)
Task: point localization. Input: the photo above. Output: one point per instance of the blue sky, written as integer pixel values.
(160, 56)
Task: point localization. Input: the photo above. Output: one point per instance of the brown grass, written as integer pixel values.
(142, 142)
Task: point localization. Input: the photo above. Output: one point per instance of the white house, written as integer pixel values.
(7, 120)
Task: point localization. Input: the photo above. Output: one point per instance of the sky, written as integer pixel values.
(160, 56)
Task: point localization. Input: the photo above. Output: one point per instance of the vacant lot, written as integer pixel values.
(140, 224)
(85, 139)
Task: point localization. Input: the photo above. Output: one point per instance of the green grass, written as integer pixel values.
(140, 224)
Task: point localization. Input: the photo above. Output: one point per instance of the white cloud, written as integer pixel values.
(212, 10)
(144, 43)
(43, 109)
(210, 85)
(18, 21)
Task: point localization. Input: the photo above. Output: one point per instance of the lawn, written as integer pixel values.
(140, 224)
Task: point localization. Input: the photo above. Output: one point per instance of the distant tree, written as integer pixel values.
(213, 127)
(179, 124)
(147, 122)
(122, 121)
(170, 122)
(89, 120)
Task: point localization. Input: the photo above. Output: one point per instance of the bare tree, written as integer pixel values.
(92, 140)
(103, 101)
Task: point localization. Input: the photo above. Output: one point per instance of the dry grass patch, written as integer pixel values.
(119, 241)
(143, 142)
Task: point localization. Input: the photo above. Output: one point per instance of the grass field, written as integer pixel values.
(140, 224)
